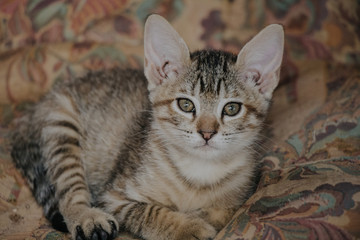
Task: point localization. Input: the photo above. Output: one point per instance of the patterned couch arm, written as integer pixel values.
(310, 184)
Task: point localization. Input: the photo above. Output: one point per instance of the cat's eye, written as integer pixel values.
(232, 108)
(186, 105)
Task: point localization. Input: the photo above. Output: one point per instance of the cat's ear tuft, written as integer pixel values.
(260, 59)
(166, 53)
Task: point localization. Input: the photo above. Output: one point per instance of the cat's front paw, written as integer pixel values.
(94, 224)
(196, 229)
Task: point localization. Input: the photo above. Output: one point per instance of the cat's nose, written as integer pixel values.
(207, 126)
(207, 134)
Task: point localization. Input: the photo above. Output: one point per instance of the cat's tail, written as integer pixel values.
(27, 156)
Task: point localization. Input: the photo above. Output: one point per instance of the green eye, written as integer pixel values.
(186, 105)
(231, 109)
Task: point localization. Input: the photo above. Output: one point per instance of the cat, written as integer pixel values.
(163, 154)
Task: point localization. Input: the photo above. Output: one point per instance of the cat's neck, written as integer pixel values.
(207, 169)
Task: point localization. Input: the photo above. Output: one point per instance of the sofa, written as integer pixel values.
(309, 183)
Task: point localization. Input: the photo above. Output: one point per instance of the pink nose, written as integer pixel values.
(207, 134)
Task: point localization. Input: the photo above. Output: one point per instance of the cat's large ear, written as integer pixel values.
(261, 57)
(166, 53)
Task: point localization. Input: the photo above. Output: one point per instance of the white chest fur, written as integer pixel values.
(209, 171)
(212, 182)
(189, 184)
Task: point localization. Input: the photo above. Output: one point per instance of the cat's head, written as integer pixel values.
(210, 103)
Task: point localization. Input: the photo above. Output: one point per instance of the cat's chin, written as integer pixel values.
(205, 147)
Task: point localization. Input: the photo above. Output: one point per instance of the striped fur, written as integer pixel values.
(114, 151)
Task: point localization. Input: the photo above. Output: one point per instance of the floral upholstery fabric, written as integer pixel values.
(310, 183)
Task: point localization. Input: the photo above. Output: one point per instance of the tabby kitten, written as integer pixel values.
(164, 155)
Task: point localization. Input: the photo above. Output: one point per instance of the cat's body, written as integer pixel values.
(166, 156)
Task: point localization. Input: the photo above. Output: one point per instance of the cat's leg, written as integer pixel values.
(155, 222)
(217, 217)
(60, 136)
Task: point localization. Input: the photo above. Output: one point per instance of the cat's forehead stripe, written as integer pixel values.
(212, 68)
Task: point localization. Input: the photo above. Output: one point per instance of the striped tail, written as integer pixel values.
(45, 147)
(28, 159)
(47, 150)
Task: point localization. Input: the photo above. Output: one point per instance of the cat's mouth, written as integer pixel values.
(206, 147)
